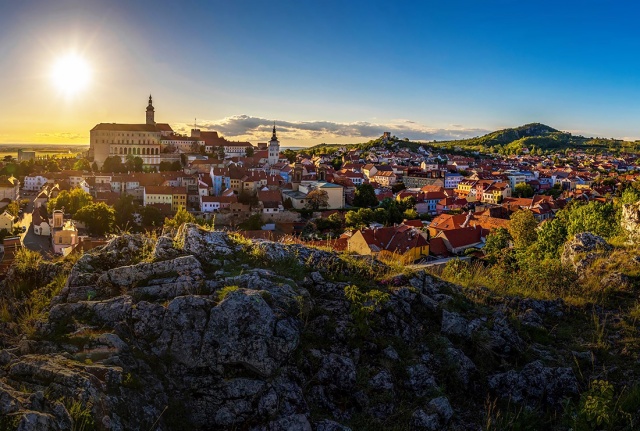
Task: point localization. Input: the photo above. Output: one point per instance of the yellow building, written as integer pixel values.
(167, 195)
(64, 238)
(398, 242)
(6, 221)
(179, 198)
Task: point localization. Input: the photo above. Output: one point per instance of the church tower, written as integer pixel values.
(274, 148)
(150, 112)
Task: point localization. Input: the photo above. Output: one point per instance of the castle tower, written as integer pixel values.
(297, 177)
(322, 173)
(274, 148)
(150, 112)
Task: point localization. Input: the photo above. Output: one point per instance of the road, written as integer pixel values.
(29, 239)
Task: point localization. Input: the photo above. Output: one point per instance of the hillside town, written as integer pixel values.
(418, 203)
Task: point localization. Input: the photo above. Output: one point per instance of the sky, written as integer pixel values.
(324, 71)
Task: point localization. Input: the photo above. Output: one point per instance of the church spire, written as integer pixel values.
(150, 112)
(274, 137)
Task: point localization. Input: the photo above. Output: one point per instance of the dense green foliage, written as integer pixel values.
(71, 201)
(365, 196)
(99, 218)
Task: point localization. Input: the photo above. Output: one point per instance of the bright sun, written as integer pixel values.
(70, 74)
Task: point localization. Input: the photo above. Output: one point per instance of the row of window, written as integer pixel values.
(135, 151)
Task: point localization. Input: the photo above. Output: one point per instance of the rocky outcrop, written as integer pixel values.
(630, 221)
(536, 383)
(200, 330)
(584, 248)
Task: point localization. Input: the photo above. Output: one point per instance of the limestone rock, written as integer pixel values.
(583, 249)
(203, 244)
(630, 221)
(537, 383)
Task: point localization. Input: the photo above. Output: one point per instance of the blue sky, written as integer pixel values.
(326, 71)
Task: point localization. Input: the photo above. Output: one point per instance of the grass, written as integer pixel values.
(81, 415)
(225, 291)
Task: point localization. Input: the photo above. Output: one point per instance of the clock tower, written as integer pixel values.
(274, 148)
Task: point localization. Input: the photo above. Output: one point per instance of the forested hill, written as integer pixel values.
(533, 136)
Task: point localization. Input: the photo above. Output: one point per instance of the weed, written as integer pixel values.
(363, 304)
(81, 415)
(5, 313)
(600, 331)
(222, 294)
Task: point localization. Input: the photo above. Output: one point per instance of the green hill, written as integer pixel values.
(533, 136)
(536, 135)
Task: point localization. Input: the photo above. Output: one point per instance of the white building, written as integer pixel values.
(452, 180)
(35, 182)
(274, 148)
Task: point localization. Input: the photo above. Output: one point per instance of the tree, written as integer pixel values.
(333, 222)
(288, 204)
(523, 190)
(13, 208)
(248, 198)
(82, 165)
(151, 216)
(410, 214)
(630, 195)
(182, 216)
(137, 164)
(317, 199)
(497, 240)
(94, 167)
(522, 228)
(249, 151)
(165, 166)
(595, 217)
(551, 235)
(220, 152)
(254, 222)
(290, 155)
(71, 201)
(99, 218)
(125, 209)
(365, 196)
(53, 166)
(113, 164)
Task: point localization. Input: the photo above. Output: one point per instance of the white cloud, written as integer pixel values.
(61, 135)
(256, 129)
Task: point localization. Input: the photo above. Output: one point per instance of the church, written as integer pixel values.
(138, 140)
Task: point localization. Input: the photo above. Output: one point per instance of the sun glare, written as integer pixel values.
(70, 74)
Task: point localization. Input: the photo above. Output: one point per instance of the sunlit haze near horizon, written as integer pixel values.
(334, 72)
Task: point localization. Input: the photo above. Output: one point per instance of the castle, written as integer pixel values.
(138, 140)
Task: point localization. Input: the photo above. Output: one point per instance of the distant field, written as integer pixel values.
(43, 150)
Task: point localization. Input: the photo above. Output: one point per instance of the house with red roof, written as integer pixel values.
(458, 240)
(407, 242)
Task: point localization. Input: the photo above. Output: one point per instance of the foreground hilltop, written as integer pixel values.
(206, 330)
